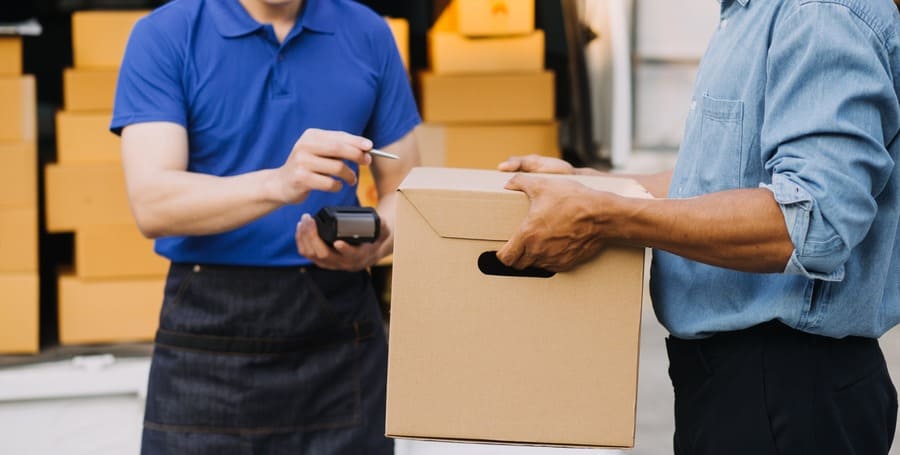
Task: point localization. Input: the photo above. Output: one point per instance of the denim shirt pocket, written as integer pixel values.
(719, 164)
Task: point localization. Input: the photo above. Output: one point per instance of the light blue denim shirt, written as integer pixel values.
(799, 97)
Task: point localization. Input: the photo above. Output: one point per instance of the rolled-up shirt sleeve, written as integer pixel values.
(829, 99)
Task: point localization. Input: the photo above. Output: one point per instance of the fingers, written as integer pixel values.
(512, 253)
(512, 164)
(335, 145)
(340, 256)
(309, 244)
(536, 163)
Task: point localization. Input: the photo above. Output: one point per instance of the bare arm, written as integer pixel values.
(569, 223)
(166, 199)
(343, 256)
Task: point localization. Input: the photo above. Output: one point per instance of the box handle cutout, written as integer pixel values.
(488, 264)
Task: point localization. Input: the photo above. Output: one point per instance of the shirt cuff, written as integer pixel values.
(796, 206)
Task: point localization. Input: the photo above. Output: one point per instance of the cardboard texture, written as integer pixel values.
(84, 137)
(89, 90)
(18, 112)
(400, 30)
(85, 194)
(116, 251)
(520, 360)
(18, 175)
(487, 97)
(452, 53)
(18, 240)
(10, 56)
(19, 319)
(494, 17)
(108, 311)
(484, 146)
(99, 37)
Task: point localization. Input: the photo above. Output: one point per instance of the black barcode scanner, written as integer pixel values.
(354, 225)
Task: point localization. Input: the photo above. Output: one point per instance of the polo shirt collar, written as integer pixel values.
(232, 20)
(319, 16)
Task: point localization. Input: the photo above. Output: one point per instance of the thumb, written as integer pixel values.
(524, 183)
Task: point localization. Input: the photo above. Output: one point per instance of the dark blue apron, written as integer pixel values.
(252, 360)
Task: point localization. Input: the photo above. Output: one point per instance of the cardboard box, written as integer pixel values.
(89, 90)
(19, 313)
(520, 360)
(18, 240)
(10, 56)
(495, 17)
(116, 251)
(504, 98)
(18, 112)
(452, 53)
(84, 137)
(99, 37)
(484, 146)
(108, 311)
(400, 30)
(80, 195)
(18, 175)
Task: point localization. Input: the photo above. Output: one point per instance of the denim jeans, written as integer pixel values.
(252, 360)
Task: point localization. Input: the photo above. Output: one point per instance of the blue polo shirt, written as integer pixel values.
(245, 99)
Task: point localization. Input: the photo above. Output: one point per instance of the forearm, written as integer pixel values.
(738, 229)
(387, 210)
(184, 203)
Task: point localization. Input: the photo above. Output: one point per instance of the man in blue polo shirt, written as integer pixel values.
(777, 252)
(238, 119)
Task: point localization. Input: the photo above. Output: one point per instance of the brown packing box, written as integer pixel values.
(99, 37)
(400, 30)
(85, 194)
(10, 56)
(84, 137)
(452, 53)
(18, 111)
(19, 313)
(88, 90)
(495, 17)
(511, 97)
(108, 311)
(116, 251)
(18, 240)
(484, 146)
(521, 360)
(18, 175)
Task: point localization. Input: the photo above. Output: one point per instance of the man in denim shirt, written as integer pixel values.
(777, 252)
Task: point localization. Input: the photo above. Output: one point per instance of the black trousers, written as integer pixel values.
(774, 390)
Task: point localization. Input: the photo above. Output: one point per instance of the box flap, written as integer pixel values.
(473, 204)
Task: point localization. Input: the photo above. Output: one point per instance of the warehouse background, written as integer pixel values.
(82, 388)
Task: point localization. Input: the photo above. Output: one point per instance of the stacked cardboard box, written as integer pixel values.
(115, 290)
(19, 305)
(487, 95)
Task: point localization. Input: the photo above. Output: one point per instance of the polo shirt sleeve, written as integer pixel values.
(150, 85)
(395, 113)
(830, 104)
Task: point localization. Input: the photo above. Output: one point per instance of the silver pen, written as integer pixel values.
(381, 154)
